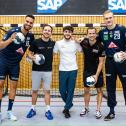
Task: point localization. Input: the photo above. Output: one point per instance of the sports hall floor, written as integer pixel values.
(22, 105)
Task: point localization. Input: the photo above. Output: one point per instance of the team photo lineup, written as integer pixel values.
(104, 53)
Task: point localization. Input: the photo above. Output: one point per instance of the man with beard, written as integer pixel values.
(44, 46)
(10, 57)
(67, 68)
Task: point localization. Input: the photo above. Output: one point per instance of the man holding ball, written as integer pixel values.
(11, 53)
(42, 71)
(113, 37)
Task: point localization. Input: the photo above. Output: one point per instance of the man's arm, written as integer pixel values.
(4, 44)
(99, 68)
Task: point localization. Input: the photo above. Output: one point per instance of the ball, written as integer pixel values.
(20, 38)
(90, 81)
(39, 59)
(118, 57)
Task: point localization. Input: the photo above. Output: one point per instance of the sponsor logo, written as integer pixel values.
(20, 51)
(112, 45)
(117, 6)
(49, 6)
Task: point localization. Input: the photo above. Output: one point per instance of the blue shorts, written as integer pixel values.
(100, 82)
(7, 69)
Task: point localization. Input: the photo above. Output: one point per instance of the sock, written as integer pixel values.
(0, 105)
(33, 107)
(47, 107)
(112, 110)
(10, 104)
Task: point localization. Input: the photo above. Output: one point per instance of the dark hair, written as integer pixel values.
(90, 28)
(48, 25)
(31, 16)
(70, 28)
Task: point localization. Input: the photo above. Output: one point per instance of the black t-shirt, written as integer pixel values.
(91, 55)
(114, 40)
(46, 48)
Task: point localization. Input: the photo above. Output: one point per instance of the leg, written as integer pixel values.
(63, 75)
(70, 88)
(47, 78)
(1, 91)
(99, 98)
(86, 96)
(36, 78)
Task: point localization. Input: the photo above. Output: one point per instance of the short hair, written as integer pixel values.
(31, 16)
(107, 11)
(90, 28)
(70, 28)
(48, 26)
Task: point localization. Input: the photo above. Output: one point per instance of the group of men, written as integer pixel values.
(95, 47)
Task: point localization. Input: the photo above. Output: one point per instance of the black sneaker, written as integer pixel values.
(84, 112)
(66, 113)
(109, 117)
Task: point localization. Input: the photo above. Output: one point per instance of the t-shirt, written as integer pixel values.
(114, 40)
(67, 50)
(91, 54)
(46, 48)
(13, 53)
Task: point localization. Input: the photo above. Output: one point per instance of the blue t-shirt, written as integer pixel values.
(114, 40)
(13, 53)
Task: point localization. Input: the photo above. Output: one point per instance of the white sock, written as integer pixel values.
(33, 107)
(47, 107)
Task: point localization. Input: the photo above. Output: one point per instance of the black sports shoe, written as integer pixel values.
(109, 117)
(66, 113)
(84, 112)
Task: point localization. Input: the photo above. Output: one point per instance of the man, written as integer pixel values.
(10, 57)
(67, 68)
(113, 36)
(43, 45)
(93, 63)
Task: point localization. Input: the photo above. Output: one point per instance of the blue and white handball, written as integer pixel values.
(20, 38)
(39, 59)
(90, 81)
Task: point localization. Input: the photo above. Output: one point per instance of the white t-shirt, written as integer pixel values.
(67, 50)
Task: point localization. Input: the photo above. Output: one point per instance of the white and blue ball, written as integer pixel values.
(90, 81)
(39, 59)
(20, 38)
(118, 57)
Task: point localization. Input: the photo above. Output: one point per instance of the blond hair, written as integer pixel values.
(107, 11)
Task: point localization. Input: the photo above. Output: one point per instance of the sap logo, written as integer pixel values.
(49, 6)
(117, 6)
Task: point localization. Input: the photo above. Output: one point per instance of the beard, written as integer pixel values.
(67, 38)
(27, 27)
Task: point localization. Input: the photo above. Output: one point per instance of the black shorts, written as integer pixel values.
(99, 83)
(7, 69)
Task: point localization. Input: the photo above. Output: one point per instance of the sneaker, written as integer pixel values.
(31, 113)
(11, 116)
(66, 113)
(109, 117)
(84, 112)
(49, 115)
(98, 115)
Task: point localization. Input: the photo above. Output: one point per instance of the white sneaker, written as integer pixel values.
(84, 112)
(11, 116)
(98, 115)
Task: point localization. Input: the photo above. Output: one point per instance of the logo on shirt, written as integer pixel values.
(20, 51)
(116, 35)
(112, 45)
(105, 36)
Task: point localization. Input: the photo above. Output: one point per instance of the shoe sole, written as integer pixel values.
(108, 119)
(98, 117)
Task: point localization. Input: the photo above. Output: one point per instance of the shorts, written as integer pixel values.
(7, 69)
(38, 76)
(99, 83)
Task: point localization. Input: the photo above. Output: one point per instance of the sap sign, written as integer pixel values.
(49, 6)
(117, 6)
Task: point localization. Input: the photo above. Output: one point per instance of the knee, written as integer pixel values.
(99, 91)
(86, 90)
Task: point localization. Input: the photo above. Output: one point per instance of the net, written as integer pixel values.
(24, 83)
